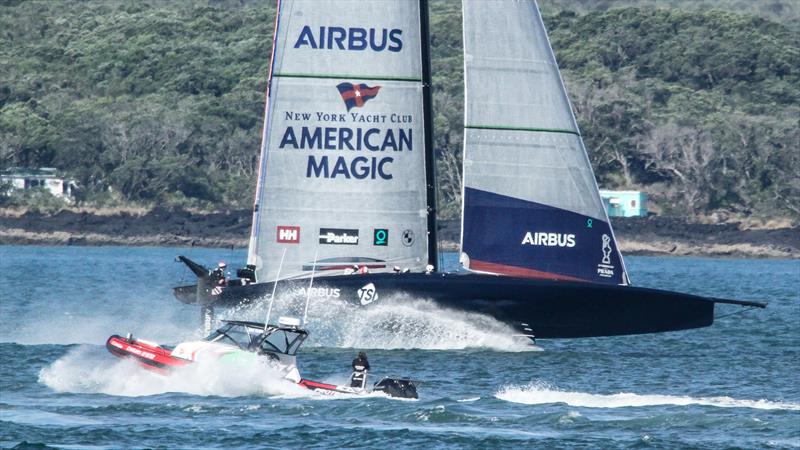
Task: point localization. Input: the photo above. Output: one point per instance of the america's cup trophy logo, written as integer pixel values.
(606, 249)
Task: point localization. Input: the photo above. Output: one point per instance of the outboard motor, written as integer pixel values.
(397, 387)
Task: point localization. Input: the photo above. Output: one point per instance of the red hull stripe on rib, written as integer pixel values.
(316, 385)
(503, 269)
(155, 358)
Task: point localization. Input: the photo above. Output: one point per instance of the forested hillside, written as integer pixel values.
(161, 102)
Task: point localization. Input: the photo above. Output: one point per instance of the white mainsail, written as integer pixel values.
(531, 203)
(342, 171)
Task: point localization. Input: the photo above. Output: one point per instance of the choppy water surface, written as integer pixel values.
(734, 384)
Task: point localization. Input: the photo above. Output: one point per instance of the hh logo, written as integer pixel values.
(367, 294)
(288, 235)
(355, 95)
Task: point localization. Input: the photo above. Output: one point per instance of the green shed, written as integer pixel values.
(625, 203)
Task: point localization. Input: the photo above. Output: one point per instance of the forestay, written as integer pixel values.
(342, 169)
(531, 203)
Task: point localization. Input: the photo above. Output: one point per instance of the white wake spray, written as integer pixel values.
(397, 322)
(82, 370)
(542, 393)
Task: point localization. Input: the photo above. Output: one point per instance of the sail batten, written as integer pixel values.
(348, 76)
(517, 128)
(531, 206)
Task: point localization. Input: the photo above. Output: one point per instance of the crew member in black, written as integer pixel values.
(361, 363)
(219, 276)
(360, 369)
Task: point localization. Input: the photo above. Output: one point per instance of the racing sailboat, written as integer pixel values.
(346, 178)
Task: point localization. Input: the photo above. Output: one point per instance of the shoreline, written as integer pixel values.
(650, 236)
(628, 248)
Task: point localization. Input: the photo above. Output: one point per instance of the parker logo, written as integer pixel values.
(288, 235)
(338, 236)
(367, 294)
(355, 95)
(380, 237)
(549, 239)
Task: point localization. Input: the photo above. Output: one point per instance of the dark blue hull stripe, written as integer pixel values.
(531, 238)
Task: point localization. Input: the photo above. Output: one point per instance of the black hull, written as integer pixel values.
(544, 308)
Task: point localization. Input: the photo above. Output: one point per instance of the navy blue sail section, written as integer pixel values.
(522, 238)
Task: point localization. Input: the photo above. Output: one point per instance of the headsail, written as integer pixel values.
(343, 165)
(531, 203)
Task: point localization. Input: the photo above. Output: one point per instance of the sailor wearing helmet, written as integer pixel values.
(219, 278)
(360, 368)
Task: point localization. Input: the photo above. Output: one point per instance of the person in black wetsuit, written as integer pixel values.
(218, 279)
(360, 369)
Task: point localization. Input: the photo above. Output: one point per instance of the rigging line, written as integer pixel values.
(440, 257)
(310, 284)
(274, 288)
(736, 312)
(231, 254)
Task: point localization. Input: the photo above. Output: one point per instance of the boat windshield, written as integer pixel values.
(239, 335)
(283, 341)
(251, 337)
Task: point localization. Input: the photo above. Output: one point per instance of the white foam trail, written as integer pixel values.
(81, 371)
(397, 322)
(541, 393)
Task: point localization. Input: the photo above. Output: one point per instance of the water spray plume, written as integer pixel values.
(397, 322)
(86, 370)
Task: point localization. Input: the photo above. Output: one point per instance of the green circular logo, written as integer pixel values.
(381, 236)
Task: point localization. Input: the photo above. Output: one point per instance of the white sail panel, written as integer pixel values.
(343, 157)
(377, 38)
(531, 203)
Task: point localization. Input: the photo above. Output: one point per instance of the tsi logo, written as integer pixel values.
(338, 236)
(549, 239)
(288, 235)
(367, 294)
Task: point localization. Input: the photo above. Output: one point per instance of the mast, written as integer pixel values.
(258, 200)
(427, 110)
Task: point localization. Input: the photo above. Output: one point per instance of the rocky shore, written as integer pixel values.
(162, 227)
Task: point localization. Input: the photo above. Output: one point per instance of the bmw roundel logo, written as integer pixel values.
(408, 238)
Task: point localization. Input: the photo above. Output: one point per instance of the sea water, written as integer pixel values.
(735, 384)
